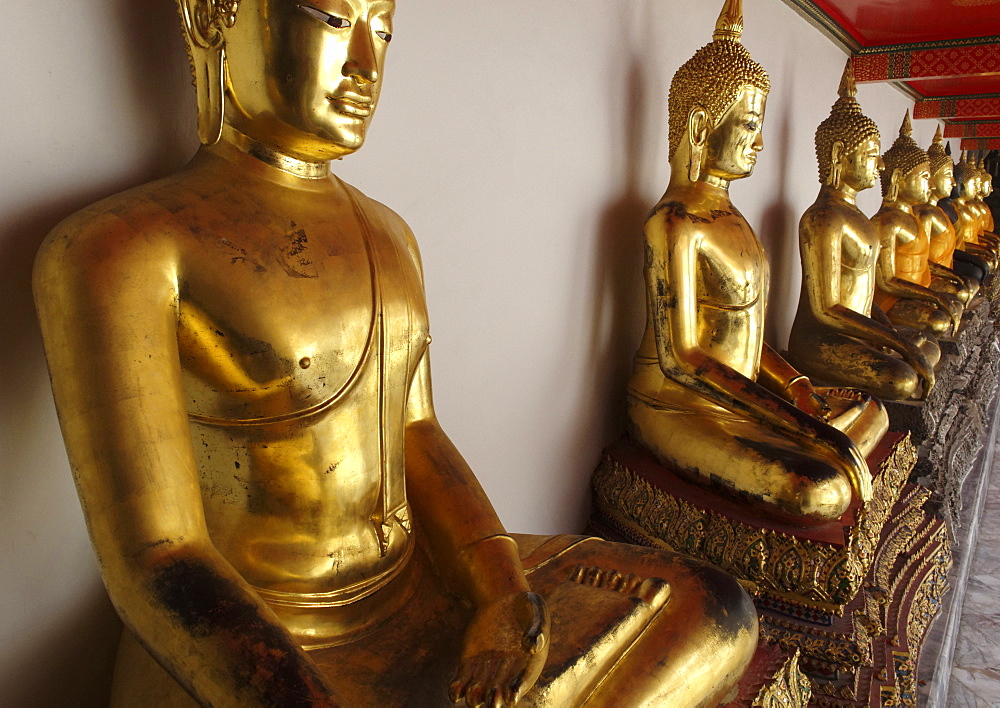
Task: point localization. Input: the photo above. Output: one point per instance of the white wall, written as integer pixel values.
(523, 141)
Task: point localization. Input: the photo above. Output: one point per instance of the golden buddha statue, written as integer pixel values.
(903, 279)
(985, 184)
(239, 356)
(707, 395)
(938, 227)
(834, 336)
(986, 191)
(969, 226)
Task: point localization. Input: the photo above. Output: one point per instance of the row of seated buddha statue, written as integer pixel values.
(708, 397)
(239, 356)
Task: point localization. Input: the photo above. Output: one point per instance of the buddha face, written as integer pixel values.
(943, 181)
(732, 147)
(914, 186)
(304, 75)
(970, 187)
(859, 168)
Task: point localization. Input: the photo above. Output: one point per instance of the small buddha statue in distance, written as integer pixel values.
(903, 277)
(985, 184)
(969, 222)
(940, 230)
(239, 356)
(991, 166)
(969, 260)
(836, 337)
(707, 395)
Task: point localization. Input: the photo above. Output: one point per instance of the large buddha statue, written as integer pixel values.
(239, 356)
(938, 227)
(836, 336)
(707, 395)
(903, 279)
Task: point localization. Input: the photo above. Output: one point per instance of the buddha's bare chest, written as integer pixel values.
(277, 322)
(733, 270)
(859, 245)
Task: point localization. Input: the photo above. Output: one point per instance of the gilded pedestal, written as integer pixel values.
(854, 596)
(948, 428)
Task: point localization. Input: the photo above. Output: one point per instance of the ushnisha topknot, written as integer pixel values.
(714, 77)
(846, 123)
(964, 171)
(904, 155)
(939, 158)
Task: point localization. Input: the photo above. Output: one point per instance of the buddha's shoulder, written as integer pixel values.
(831, 214)
(130, 230)
(129, 215)
(679, 215)
(892, 216)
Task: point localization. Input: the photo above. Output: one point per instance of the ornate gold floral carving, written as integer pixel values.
(808, 572)
(789, 687)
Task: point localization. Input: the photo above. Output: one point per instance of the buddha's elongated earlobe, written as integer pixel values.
(894, 180)
(207, 52)
(697, 135)
(834, 178)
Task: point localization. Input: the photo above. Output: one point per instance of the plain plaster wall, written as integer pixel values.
(523, 141)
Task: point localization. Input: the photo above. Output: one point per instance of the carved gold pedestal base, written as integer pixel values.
(774, 679)
(852, 599)
(948, 428)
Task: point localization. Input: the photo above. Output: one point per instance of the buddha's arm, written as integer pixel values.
(670, 272)
(453, 511)
(782, 379)
(820, 249)
(506, 642)
(108, 309)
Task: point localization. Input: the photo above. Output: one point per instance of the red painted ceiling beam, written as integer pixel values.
(972, 130)
(960, 107)
(981, 144)
(884, 64)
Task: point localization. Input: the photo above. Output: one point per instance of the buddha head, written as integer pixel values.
(717, 105)
(298, 77)
(967, 177)
(907, 171)
(942, 168)
(985, 179)
(848, 142)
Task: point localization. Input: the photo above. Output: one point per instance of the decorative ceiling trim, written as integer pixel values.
(981, 144)
(972, 130)
(930, 46)
(941, 63)
(985, 106)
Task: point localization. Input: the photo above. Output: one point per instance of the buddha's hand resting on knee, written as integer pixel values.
(505, 647)
(804, 397)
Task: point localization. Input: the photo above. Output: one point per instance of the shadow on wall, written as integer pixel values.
(779, 234)
(617, 308)
(72, 666)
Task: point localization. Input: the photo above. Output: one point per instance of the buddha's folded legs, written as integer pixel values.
(920, 314)
(858, 414)
(845, 361)
(745, 460)
(630, 626)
